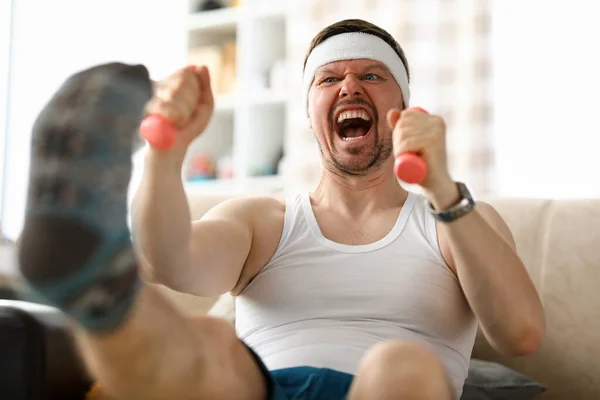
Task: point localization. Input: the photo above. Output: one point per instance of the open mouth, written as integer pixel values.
(353, 125)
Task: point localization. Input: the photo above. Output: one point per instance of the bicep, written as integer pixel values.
(219, 245)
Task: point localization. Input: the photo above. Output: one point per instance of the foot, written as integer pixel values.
(75, 251)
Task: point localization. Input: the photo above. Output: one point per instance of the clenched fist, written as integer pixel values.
(424, 134)
(185, 99)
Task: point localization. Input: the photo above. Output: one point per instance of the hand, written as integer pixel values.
(184, 98)
(425, 134)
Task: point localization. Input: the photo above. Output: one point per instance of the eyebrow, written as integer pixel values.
(367, 68)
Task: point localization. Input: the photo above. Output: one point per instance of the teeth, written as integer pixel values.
(344, 115)
(350, 139)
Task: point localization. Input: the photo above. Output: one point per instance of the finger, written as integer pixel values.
(189, 88)
(393, 116)
(206, 94)
(407, 129)
(176, 107)
(414, 144)
(412, 125)
(205, 103)
(168, 110)
(411, 117)
(183, 89)
(189, 97)
(191, 79)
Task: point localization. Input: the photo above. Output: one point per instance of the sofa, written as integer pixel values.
(559, 242)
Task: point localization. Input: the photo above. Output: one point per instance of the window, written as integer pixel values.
(5, 30)
(79, 34)
(546, 98)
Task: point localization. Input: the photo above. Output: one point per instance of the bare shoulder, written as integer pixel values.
(265, 216)
(247, 208)
(495, 220)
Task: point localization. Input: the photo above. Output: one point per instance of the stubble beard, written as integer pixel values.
(350, 162)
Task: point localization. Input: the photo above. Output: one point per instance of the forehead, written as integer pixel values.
(357, 65)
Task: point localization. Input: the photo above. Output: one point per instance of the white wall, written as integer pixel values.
(53, 39)
(547, 97)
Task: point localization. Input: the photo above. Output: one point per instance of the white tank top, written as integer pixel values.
(324, 304)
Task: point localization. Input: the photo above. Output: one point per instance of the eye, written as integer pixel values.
(371, 77)
(329, 79)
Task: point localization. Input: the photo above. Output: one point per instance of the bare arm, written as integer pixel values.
(204, 258)
(478, 247)
(482, 251)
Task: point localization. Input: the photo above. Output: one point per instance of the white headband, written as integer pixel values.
(352, 46)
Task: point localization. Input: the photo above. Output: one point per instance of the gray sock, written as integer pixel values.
(75, 251)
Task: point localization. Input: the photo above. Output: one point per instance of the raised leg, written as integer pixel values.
(75, 253)
(401, 371)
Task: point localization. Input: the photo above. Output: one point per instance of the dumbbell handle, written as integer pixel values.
(410, 167)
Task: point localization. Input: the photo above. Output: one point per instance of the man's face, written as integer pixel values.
(348, 103)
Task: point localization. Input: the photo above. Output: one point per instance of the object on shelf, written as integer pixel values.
(267, 167)
(278, 162)
(208, 5)
(225, 167)
(262, 170)
(201, 168)
(228, 74)
(220, 60)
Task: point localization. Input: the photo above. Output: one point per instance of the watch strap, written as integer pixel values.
(464, 206)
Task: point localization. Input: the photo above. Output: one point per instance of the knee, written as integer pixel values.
(402, 362)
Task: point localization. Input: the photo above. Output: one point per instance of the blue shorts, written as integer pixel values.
(304, 383)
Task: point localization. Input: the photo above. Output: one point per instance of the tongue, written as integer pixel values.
(351, 132)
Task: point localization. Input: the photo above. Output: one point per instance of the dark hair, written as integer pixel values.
(357, 25)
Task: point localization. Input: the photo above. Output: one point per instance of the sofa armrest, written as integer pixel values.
(38, 354)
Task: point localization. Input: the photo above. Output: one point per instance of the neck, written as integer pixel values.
(356, 195)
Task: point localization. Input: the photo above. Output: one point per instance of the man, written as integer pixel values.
(358, 289)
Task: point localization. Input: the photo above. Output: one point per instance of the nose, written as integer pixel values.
(351, 87)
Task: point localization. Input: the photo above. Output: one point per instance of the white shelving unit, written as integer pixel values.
(249, 122)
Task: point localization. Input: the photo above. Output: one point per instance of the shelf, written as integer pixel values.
(225, 103)
(249, 124)
(279, 11)
(223, 20)
(269, 97)
(270, 184)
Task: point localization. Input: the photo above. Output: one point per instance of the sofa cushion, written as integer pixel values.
(492, 381)
(558, 241)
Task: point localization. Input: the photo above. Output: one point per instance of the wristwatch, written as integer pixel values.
(463, 207)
